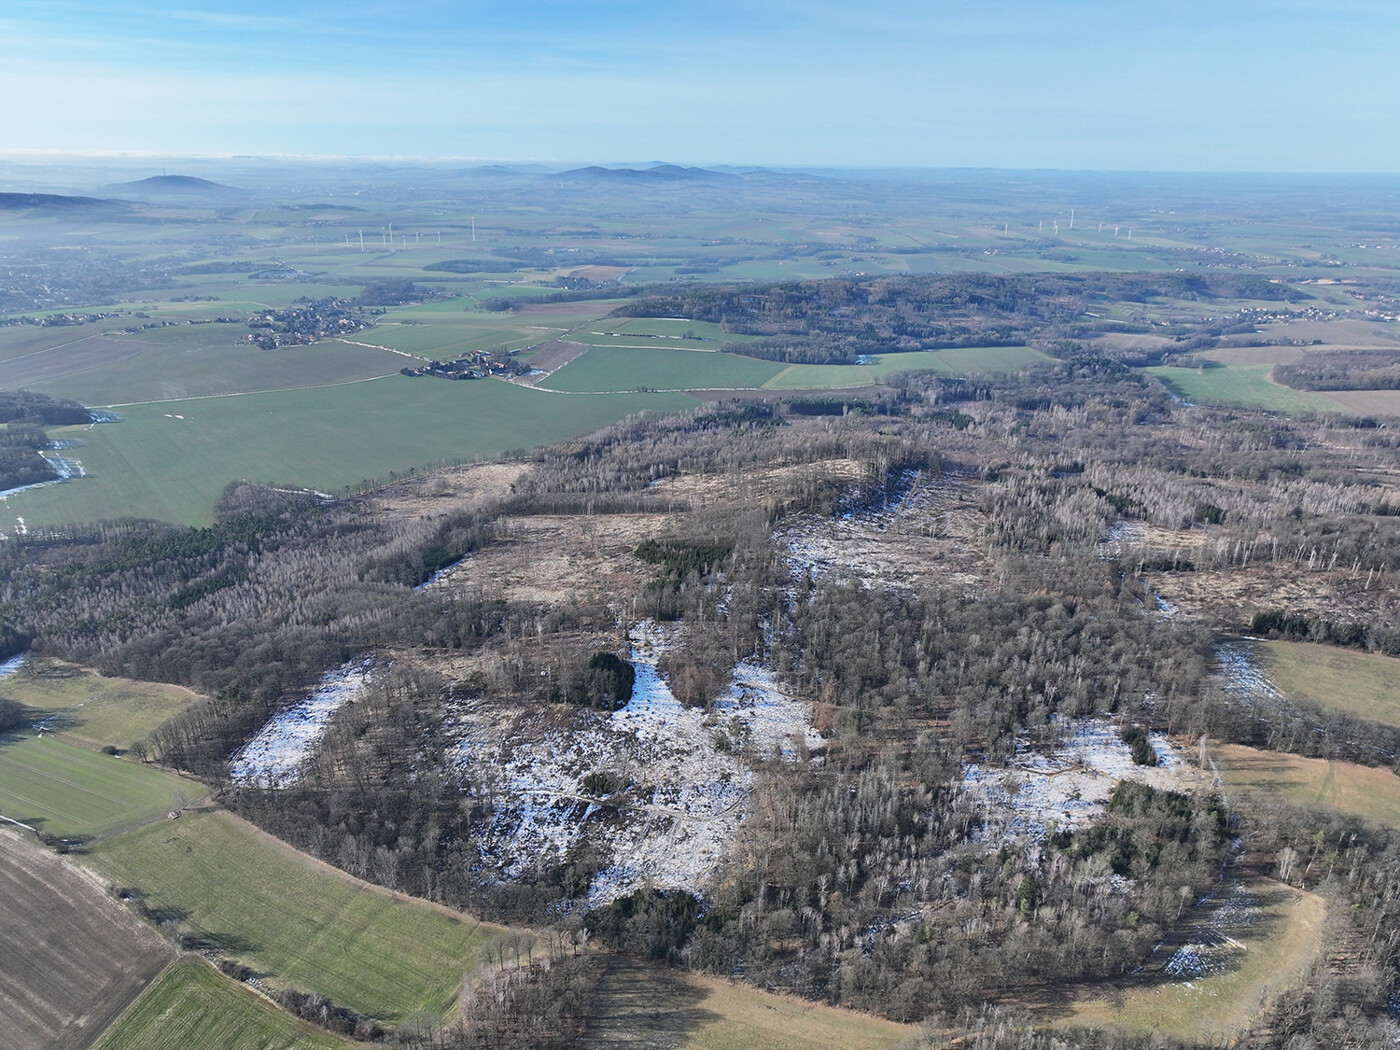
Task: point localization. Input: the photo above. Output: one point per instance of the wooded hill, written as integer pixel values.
(1078, 494)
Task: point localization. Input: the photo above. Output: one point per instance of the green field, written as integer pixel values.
(1245, 385)
(190, 1005)
(957, 362)
(156, 464)
(656, 365)
(92, 711)
(70, 791)
(308, 925)
(606, 368)
(186, 361)
(1364, 684)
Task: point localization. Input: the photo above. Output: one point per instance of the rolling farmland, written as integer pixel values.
(324, 438)
(310, 926)
(191, 1005)
(70, 791)
(615, 368)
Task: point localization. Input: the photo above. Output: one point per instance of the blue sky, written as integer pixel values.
(1228, 85)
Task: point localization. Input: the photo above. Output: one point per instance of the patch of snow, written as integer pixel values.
(275, 755)
(1240, 672)
(1041, 792)
(1212, 948)
(773, 721)
(1119, 534)
(859, 543)
(66, 468)
(683, 785)
(12, 666)
(439, 575)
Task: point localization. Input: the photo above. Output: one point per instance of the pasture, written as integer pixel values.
(70, 791)
(615, 368)
(192, 1005)
(307, 924)
(655, 363)
(1367, 402)
(1363, 684)
(1344, 787)
(955, 362)
(85, 708)
(171, 460)
(1245, 385)
(187, 361)
(83, 957)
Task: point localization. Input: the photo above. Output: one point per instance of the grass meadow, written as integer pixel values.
(956, 362)
(613, 368)
(192, 1005)
(81, 707)
(70, 791)
(1347, 788)
(1363, 684)
(305, 923)
(1245, 385)
(171, 460)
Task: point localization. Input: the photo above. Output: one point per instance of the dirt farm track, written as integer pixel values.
(75, 958)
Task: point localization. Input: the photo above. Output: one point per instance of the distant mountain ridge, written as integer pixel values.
(658, 172)
(174, 185)
(54, 202)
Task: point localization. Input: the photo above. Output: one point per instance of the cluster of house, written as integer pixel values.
(475, 364)
(306, 322)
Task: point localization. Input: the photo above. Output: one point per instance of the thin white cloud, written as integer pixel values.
(239, 20)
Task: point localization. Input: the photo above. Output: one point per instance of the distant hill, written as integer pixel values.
(56, 203)
(173, 186)
(657, 173)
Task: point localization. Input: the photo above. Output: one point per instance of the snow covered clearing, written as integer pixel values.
(667, 785)
(275, 755)
(1241, 674)
(1120, 534)
(924, 526)
(1041, 792)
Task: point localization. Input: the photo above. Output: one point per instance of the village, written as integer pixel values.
(474, 364)
(306, 322)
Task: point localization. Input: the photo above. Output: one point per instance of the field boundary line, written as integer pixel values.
(251, 393)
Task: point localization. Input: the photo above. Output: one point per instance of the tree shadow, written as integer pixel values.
(223, 943)
(645, 1006)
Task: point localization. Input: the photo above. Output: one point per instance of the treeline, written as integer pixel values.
(836, 321)
(26, 406)
(1342, 370)
(25, 414)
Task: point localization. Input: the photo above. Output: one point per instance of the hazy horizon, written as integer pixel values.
(1087, 85)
